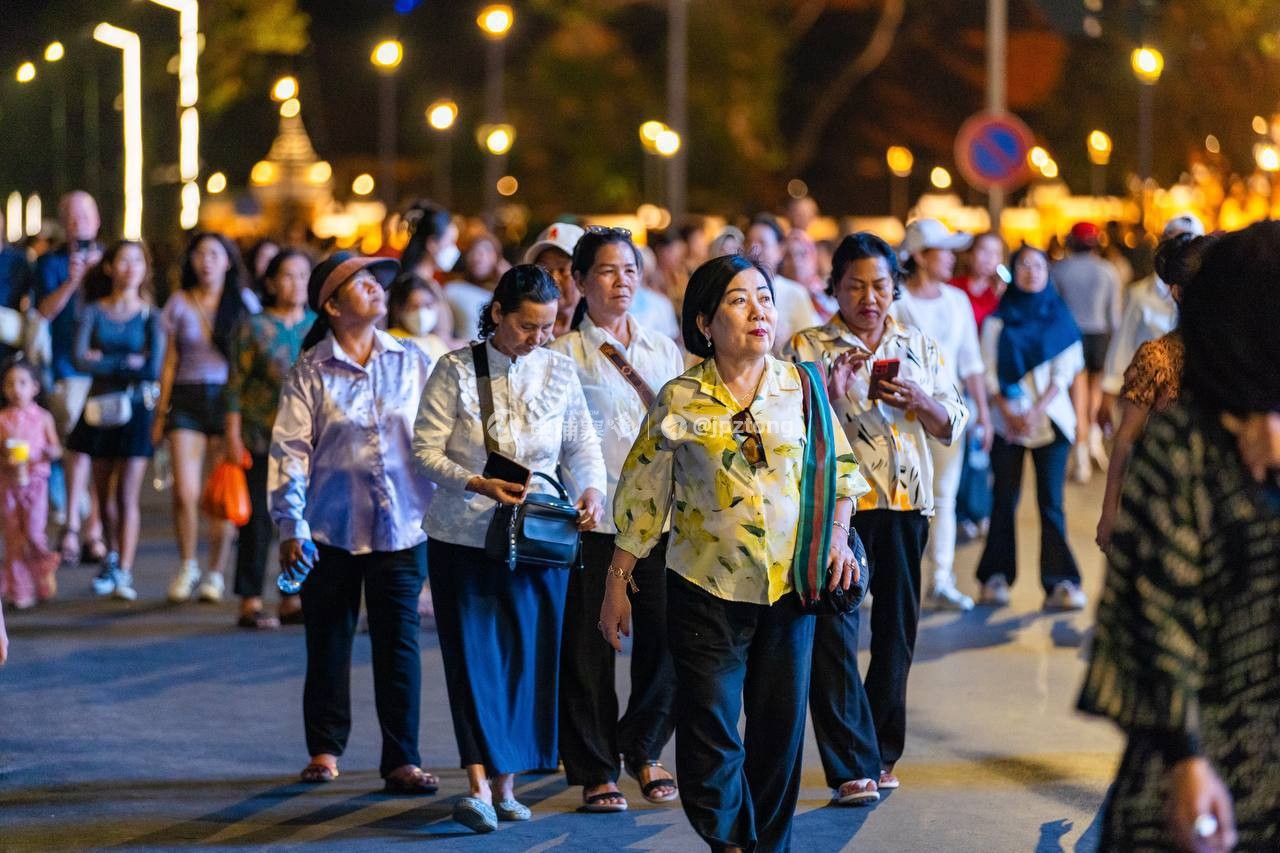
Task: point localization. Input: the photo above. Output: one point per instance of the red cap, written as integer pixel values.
(1085, 232)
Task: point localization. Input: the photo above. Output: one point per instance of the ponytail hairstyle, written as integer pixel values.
(518, 285)
(426, 221)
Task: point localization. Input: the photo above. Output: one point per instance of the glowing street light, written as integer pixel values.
(650, 131)
(940, 178)
(1267, 157)
(1037, 157)
(900, 160)
(363, 184)
(667, 143)
(1099, 148)
(188, 94)
(508, 185)
(34, 214)
(1049, 169)
(130, 48)
(387, 54)
(54, 52)
(497, 139)
(26, 72)
(285, 88)
(442, 114)
(1148, 64)
(217, 183)
(290, 108)
(13, 217)
(495, 20)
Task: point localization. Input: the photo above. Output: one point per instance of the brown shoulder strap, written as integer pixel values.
(628, 373)
(483, 389)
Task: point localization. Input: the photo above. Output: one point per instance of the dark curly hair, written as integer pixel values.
(518, 285)
(702, 297)
(1178, 259)
(857, 247)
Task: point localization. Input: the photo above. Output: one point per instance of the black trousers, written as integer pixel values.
(730, 656)
(895, 542)
(591, 735)
(1057, 564)
(253, 551)
(842, 721)
(330, 607)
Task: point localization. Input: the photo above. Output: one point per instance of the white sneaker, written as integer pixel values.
(212, 587)
(995, 592)
(947, 598)
(124, 586)
(1082, 467)
(184, 583)
(1066, 596)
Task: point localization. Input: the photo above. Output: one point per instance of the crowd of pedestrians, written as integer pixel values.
(725, 427)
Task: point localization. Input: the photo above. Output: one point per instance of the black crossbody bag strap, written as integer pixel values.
(485, 391)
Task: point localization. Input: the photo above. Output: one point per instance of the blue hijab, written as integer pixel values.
(1037, 326)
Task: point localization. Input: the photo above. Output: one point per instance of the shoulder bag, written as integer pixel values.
(541, 532)
(115, 409)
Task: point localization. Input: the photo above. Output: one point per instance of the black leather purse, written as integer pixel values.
(839, 601)
(541, 532)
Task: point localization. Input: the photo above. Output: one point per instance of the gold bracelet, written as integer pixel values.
(841, 525)
(624, 575)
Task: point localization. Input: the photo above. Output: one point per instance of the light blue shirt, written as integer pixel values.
(342, 471)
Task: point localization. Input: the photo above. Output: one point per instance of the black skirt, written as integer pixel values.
(129, 441)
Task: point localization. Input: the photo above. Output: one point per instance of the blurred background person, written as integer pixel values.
(1183, 656)
(791, 300)
(1091, 290)
(728, 242)
(650, 306)
(944, 314)
(553, 251)
(200, 320)
(696, 245)
(256, 261)
(264, 350)
(471, 288)
(414, 312)
(800, 263)
(120, 343)
(670, 255)
(1032, 350)
(16, 278)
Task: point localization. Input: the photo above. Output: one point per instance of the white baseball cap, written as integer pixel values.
(1183, 223)
(923, 234)
(562, 235)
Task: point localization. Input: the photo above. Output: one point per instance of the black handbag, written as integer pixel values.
(541, 532)
(839, 601)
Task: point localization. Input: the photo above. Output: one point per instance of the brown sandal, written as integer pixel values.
(418, 781)
(316, 773)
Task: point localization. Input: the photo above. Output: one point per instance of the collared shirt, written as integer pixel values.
(540, 419)
(1149, 314)
(795, 310)
(52, 270)
(1089, 286)
(734, 528)
(616, 408)
(891, 445)
(1060, 370)
(263, 352)
(341, 461)
(948, 320)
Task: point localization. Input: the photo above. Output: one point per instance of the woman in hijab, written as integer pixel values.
(1184, 658)
(1031, 347)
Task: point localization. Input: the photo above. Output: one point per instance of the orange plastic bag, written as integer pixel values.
(226, 494)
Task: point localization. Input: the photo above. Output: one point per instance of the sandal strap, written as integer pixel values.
(596, 799)
(649, 787)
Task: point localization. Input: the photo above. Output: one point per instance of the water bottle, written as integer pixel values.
(291, 578)
(161, 469)
(979, 459)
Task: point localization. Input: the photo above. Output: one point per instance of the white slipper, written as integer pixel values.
(858, 792)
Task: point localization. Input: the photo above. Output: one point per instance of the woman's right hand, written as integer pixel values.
(501, 491)
(157, 432)
(843, 370)
(1105, 525)
(1198, 796)
(236, 452)
(615, 615)
(291, 553)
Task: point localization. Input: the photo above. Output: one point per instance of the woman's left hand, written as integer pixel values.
(903, 394)
(1258, 437)
(844, 567)
(590, 510)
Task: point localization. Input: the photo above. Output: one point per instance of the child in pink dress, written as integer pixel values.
(28, 443)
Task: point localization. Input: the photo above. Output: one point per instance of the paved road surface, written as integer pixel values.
(148, 726)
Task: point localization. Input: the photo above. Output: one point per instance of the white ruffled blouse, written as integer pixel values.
(540, 420)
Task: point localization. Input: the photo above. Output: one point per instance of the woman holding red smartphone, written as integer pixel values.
(896, 403)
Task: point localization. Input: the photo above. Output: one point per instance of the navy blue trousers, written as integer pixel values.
(842, 721)
(500, 643)
(730, 657)
(330, 609)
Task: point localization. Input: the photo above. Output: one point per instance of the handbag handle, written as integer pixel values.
(555, 484)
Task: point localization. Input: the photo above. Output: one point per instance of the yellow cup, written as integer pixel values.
(19, 451)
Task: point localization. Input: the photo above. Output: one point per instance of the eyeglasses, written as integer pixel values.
(605, 231)
(744, 424)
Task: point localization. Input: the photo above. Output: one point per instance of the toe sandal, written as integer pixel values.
(599, 803)
(647, 788)
(888, 781)
(858, 792)
(475, 814)
(315, 773)
(512, 810)
(258, 621)
(417, 782)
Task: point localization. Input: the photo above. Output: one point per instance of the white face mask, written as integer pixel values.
(448, 256)
(420, 322)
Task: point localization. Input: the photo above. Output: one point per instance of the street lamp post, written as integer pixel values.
(1148, 65)
(53, 54)
(130, 48)
(188, 115)
(495, 21)
(441, 117)
(900, 161)
(386, 57)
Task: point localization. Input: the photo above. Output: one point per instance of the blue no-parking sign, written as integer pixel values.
(991, 151)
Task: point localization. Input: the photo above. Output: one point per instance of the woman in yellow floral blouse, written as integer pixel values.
(738, 633)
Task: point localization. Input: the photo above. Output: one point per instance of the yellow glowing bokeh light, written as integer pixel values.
(650, 130)
(1099, 148)
(1267, 157)
(498, 138)
(319, 172)
(442, 114)
(940, 178)
(217, 183)
(1148, 64)
(1212, 145)
(667, 143)
(900, 160)
(1049, 169)
(1037, 157)
(285, 88)
(54, 52)
(363, 184)
(290, 108)
(496, 20)
(26, 72)
(1259, 125)
(263, 173)
(508, 185)
(387, 54)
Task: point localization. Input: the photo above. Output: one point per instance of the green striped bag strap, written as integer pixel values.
(817, 488)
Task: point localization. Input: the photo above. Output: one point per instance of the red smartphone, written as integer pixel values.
(885, 370)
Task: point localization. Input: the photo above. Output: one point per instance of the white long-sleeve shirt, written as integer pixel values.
(1149, 314)
(948, 319)
(1060, 370)
(540, 420)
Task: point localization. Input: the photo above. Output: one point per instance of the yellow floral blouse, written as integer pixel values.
(734, 527)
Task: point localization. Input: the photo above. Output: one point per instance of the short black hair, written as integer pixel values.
(857, 247)
(702, 297)
(769, 221)
(273, 269)
(1178, 258)
(590, 244)
(518, 285)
